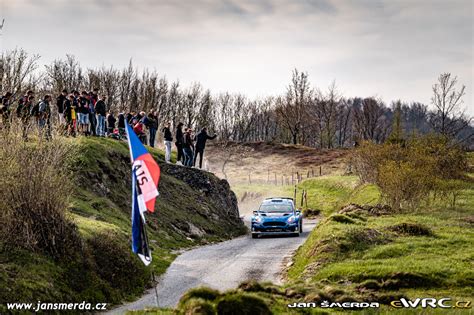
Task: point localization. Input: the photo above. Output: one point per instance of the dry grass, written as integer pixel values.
(35, 193)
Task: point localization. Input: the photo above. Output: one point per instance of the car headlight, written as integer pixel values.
(258, 219)
(291, 219)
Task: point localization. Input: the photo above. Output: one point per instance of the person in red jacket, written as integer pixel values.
(139, 130)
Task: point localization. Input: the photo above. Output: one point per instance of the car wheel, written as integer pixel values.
(254, 235)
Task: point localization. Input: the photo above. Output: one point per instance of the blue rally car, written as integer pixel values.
(277, 216)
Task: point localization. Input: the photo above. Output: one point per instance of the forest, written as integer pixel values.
(304, 114)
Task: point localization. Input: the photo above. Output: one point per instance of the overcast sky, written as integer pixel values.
(391, 49)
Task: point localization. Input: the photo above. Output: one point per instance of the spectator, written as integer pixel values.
(110, 123)
(168, 141)
(153, 126)
(83, 112)
(138, 128)
(92, 118)
(202, 137)
(23, 113)
(70, 115)
(129, 117)
(179, 144)
(121, 124)
(187, 147)
(5, 108)
(100, 109)
(60, 106)
(44, 111)
(94, 96)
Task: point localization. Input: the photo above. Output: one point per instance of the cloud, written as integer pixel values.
(394, 49)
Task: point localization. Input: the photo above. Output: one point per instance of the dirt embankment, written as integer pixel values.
(267, 163)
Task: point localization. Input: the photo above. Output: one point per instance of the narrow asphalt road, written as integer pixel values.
(222, 266)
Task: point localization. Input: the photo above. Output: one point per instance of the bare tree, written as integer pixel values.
(17, 70)
(449, 118)
(292, 110)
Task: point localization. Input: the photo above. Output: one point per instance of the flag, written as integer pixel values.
(145, 178)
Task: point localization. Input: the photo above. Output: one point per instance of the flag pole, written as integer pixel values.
(152, 272)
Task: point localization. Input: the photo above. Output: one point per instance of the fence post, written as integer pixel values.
(276, 183)
(306, 199)
(312, 172)
(302, 197)
(320, 170)
(294, 195)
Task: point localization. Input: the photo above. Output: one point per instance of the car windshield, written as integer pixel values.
(274, 207)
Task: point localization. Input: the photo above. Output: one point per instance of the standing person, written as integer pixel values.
(202, 137)
(83, 113)
(5, 108)
(146, 123)
(188, 147)
(179, 143)
(70, 115)
(23, 113)
(121, 124)
(168, 141)
(100, 109)
(110, 123)
(44, 111)
(153, 126)
(92, 118)
(60, 106)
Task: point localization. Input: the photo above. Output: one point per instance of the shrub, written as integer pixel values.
(196, 306)
(34, 195)
(409, 172)
(203, 293)
(242, 304)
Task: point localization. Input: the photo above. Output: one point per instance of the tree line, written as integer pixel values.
(303, 114)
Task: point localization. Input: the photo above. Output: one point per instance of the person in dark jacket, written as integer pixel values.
(121, 124)
(110, 123)
(5, 108)
(188, 147)
(168, 141)
(179, 143)
(101, 111)
(153, 126)
(60, 106)
(201, 139)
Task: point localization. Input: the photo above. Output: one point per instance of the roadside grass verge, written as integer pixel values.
(418, 253)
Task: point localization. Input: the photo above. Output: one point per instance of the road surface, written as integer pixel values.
(222, 266)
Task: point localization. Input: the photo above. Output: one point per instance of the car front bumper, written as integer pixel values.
(274, 229)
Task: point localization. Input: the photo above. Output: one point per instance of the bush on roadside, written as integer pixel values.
(34, 195)
(411, 171)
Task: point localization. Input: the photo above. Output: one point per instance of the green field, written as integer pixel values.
(361, 256)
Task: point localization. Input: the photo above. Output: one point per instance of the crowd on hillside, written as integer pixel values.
(86, 114)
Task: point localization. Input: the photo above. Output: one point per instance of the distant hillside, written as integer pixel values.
(264, 160)
(194, 207)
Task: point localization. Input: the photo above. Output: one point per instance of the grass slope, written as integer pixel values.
(193, 208)
(359, 256)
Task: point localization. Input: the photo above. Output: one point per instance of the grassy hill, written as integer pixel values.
(364, 252)
(193, 208)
